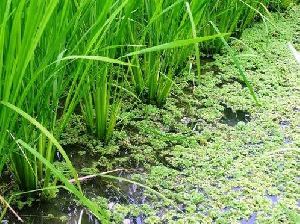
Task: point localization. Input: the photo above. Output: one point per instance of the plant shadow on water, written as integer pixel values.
(232, 118)
(76, 156)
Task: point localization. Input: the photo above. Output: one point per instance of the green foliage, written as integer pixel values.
(99, 213)
(56, 54)
(27, 48)
(100, 114)
(36, 74)
(158, 22)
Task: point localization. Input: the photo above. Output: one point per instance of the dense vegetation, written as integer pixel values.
(89, 57)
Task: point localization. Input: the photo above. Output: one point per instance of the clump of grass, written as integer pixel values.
(35, 76)
(27, 81)
(99, 108)
(155, 23)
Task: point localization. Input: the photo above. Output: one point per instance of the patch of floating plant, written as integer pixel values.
(208, 64)
(232, 118)
(180, 103)
(166, 160)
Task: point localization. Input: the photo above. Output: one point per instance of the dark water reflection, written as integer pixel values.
(64, 209)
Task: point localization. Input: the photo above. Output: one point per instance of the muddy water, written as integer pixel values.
(59, 210)
(64, 209)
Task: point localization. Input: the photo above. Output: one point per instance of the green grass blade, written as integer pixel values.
(175, 44)
(95, 58)
(238, 65)
(197, 51)
(115, 110)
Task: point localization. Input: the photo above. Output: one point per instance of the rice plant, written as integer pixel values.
(100, 114)
(153, 76)
(56, 55)
(35, 77)
(99, 108)
(27, 48)
(155, 23)
(30, 44)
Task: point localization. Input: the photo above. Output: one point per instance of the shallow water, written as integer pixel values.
(232, 118)
(251, 220)
(274, 199)
(64, 209)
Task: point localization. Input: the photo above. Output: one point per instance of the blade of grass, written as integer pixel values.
(197, 44)
(94, 58)
(237, 64)
(175, 44)
(6, 205)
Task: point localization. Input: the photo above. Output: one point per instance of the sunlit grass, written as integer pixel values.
(56, 55)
